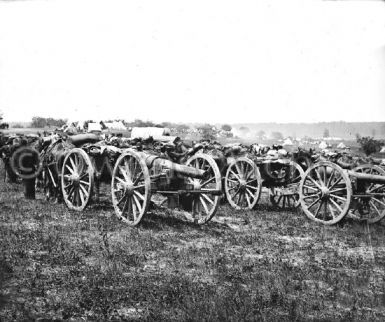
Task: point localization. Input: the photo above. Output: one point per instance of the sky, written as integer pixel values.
(193, 61)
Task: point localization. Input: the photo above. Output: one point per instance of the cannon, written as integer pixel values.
(328, 193)
(194, 187)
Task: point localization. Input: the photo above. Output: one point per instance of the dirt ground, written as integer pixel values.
(264, 264)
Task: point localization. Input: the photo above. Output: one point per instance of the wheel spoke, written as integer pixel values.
(251, 187)
(83, 190)
(338, 190)
(204, 205)
(207, 181)
(330, 178)
(315, 182)
(331, 210)
(380, 202)
(124, 197)
(235, 175)
(338, 197)
(238, 170)
(336, 205)
(70, 169)
(137, 203)
(335, 183)
(311, 196)
(74, 167)
(313, 203)
(80, 192)
(208, 199)
(125, 175)
(311, 188)
(248, 200)
(375, 207)
(139, 195)
(318, 209)
(319, 177)
(250, 193)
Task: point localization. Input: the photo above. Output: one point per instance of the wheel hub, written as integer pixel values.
(242, 184)
(197, 185)
(75, 179)
(129, 189)
(325, 193)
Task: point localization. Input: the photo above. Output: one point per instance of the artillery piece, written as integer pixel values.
(245, 174)
(328, 193)
(194, 187)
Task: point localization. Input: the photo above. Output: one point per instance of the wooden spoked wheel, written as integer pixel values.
(325, 193)
(243, 184)
(77, 179)
(205, 204)
(131, 188)
(372, 207)
(287, 196)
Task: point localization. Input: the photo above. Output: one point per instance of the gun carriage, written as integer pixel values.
(245, 174)
(194, 187)
(328, 193)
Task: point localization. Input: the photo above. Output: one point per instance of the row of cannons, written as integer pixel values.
(195, 180)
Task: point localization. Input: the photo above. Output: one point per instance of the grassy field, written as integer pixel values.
(244, 265)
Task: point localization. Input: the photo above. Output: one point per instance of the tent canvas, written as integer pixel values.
(323, 145)
(146, 132)
(288, 142)
(94, 127)
(341, 146)
(383, 149)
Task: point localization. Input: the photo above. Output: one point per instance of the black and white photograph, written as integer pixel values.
(192, 160)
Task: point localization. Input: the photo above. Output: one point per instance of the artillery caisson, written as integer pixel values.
(194, 187)
(328, 192)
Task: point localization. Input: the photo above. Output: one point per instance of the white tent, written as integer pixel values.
(288, 141)
(341, 146)
(115, 125)
(94, 127)
(158, 133)
(323, 145)
(383, 149)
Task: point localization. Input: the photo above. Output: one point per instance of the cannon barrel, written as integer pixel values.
(155, 161)
(372, 178)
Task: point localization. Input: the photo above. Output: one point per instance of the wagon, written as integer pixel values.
(328, 193)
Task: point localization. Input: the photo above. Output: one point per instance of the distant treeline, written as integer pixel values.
(42, 122)
(344, 130)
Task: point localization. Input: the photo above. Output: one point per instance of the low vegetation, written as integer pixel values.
(244, 265)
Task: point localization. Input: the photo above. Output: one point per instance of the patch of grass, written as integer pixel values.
(244, 265)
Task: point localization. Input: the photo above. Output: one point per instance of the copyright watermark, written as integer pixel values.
(25, 163)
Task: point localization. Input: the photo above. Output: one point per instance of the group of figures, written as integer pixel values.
(196, 178)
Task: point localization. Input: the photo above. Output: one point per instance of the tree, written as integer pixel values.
(182, 128)
(244, 129)
(369, 145)
(207, 132)
(226, 127)
(326, 133)
(40, 122)
(276, 135)
(261, 134)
